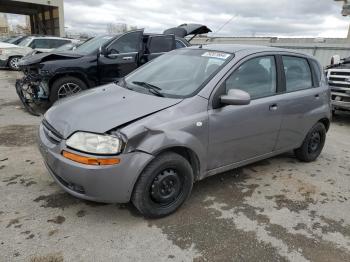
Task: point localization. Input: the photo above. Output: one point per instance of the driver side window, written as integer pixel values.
(256, 76)
(125, 44)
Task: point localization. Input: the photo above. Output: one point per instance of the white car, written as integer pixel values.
(11, 54)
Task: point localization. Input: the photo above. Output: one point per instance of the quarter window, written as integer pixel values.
(257, 77)
(179, 44)
(298, 73)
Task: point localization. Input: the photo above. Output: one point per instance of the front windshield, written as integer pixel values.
(25, 42)
(93, 44)
(178, 74)
(14, 39)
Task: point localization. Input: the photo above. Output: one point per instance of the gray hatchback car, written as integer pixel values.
(189, 114)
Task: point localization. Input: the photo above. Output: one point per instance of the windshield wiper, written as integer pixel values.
(121, 82)
(151, 88)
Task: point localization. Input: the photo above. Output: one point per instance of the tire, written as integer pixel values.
(147, 196)
(13, 63)
(313, 144)
(65, 83)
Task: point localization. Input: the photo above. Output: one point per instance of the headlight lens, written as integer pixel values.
(95, 143)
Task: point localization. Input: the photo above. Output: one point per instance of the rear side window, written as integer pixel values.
(160, 44)
(297, 72)
(257, 77)
(54, 43)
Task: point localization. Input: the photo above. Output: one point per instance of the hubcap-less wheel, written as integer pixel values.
(68, 89)
(166, 187)
(314, 143)
(14, 63)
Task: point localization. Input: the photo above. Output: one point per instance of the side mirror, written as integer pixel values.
(235, 97)
(335, 60)
(103, 50)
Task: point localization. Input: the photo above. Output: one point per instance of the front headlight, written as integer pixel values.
(95, 143)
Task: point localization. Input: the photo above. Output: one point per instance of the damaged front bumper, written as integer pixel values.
(32, 90)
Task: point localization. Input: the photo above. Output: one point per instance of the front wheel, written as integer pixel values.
(66, 86)
(13, 63)
(163, 186)
(313, 144)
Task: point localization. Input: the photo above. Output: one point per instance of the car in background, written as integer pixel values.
(189, 114)
(10, 54)
(338, 75)
(15, 39)
(101, 60)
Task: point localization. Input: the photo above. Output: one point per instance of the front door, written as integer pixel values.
(121, 57)
(242, 132)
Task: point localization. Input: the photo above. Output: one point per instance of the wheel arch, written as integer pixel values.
(326, 122)
(186, 153)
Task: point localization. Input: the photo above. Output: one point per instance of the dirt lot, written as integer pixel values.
(276, 210)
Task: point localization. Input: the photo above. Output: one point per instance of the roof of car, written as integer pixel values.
(48, 37)
(234, 48)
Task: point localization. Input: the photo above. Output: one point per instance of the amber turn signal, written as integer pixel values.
(90, 160)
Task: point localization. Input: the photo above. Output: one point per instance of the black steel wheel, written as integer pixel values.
(163, 186)
(313, 144)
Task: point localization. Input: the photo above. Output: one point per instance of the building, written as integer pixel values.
(46, 17)
(4, 27)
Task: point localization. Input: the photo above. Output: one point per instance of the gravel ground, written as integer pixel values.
(275, 210)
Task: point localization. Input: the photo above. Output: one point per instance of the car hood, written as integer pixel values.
(104, 108)
(43, 57)
(7, 45)
(188, 29)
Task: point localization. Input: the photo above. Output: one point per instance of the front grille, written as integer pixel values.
(51, 133)
(339, 82)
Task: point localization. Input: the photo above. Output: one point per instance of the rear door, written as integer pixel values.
(122, 58)
(158, 45)
(304, 100)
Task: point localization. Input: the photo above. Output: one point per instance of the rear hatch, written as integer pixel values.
(188, 29)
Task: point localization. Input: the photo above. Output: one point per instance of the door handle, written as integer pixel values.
(127, 57)
(273, 107)
(317, 96)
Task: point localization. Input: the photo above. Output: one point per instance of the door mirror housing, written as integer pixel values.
(335, 60)
(235, 97)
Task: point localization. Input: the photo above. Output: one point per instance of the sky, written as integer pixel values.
(281, 18)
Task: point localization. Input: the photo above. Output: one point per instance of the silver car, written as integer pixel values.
(189, 114)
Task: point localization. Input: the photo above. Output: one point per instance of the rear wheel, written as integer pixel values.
(13, 63)
(163, 186)
(313, 144)
(66, 86)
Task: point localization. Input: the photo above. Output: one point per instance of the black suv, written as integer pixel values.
(101, 60)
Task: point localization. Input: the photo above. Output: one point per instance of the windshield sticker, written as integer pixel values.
(219, 55)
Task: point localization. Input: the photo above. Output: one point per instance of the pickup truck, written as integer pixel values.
(338, 75)
(103, 59)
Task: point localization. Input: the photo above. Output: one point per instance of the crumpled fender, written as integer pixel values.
(154, 141)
